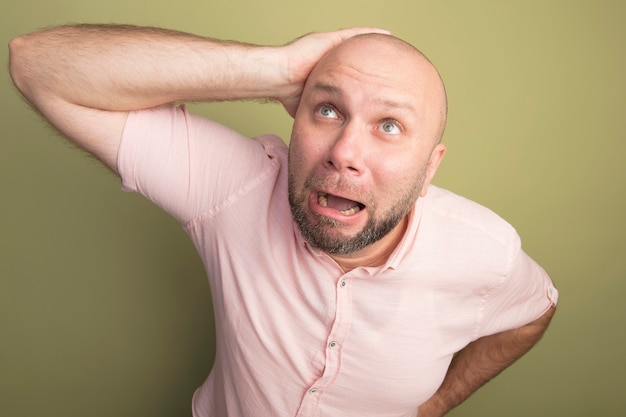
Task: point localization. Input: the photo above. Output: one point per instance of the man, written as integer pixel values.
(343, 282)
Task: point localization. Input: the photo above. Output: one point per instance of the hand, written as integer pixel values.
(302, 55)
(480, 361)
(432, 408)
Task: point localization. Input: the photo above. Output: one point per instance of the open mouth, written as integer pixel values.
(343, 205)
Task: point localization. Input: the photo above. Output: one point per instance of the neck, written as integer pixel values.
(377, 253)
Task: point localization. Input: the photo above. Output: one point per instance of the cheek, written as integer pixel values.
(305, 151)
(299, 160)
(403, 176)
(298, 142)
(296, 156)
(395, 169)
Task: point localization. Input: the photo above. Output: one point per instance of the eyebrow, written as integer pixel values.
(385, 101)
(327, 88)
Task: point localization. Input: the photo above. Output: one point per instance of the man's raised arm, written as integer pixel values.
(84, 79)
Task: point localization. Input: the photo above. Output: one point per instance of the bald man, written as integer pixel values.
(343, 281)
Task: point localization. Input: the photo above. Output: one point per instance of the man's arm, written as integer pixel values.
(480, 361)
(84, 79)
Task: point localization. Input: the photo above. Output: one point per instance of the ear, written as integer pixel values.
(431, 167)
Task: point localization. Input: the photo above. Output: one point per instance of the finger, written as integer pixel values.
(350, 32)
(362, 30)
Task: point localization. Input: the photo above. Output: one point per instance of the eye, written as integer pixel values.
(390, 127)
(327, 111)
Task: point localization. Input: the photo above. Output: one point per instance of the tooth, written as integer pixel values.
(352, 210)
(322, 200)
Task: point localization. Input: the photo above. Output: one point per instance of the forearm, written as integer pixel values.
(480, 361)
(85, 79)
(128, 67)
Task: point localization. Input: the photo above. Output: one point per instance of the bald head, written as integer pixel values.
(367, 131)
(393, 60)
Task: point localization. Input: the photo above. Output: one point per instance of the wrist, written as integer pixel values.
(250, 71)
(434, 407)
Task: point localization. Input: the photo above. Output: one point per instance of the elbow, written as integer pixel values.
(19, 63)
(16, 61)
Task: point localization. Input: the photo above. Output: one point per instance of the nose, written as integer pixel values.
(347, 151)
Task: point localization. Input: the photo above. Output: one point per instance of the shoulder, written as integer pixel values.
(190, 165)
(274, 146)
(463, 218)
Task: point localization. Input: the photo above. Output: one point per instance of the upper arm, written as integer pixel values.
(96, 131)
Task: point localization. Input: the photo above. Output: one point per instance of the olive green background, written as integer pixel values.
(104, 307)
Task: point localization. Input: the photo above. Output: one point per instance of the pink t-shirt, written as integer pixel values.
(295, 335)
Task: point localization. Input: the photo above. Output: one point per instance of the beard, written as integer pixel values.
(377, 226)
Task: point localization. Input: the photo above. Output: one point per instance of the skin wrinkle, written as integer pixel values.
(85, 85)
(372, 232)
(437, 85)
(367, 80)
(394, 104)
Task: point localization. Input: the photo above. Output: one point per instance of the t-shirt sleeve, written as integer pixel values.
(184, 163)
(523, 295)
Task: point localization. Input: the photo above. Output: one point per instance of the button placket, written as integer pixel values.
(340, 327)
(336, 335)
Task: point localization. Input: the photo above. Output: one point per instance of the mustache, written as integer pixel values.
(334, 184)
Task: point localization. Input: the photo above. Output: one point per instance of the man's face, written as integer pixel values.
(362, 147)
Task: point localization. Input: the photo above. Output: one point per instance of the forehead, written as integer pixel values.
(342, 90)
(385, 72)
